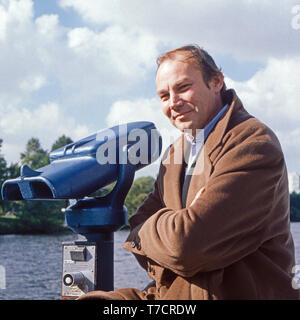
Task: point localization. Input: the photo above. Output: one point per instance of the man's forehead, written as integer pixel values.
(180, 71)
(177, 82)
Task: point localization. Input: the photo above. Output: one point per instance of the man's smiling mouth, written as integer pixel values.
(180, 116)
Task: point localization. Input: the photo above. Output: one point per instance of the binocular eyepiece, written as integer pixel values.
(82, 167)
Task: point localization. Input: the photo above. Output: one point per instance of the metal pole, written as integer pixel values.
(104, 258)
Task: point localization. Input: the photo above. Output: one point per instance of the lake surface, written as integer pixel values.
(33, 264)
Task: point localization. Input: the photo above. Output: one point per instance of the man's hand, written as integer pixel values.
(198, 195)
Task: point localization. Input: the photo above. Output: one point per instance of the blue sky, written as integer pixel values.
(76, 66)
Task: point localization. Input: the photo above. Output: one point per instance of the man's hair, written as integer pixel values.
(197, 55)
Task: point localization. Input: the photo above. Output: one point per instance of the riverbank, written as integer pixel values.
(14, 225)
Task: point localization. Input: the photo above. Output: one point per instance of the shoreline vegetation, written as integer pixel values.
(11, 225)
(47, 217)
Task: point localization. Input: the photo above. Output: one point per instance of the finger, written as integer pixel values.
(198, 195)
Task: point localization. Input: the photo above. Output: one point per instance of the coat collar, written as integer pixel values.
(215, 137)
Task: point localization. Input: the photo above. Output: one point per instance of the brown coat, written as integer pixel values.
(234, 242)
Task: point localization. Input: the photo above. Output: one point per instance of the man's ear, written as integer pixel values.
(216, 82)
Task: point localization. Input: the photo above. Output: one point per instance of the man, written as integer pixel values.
(216, 227)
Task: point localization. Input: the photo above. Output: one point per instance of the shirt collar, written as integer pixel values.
(207, 129)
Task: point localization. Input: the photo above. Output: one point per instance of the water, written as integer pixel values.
(33, 264)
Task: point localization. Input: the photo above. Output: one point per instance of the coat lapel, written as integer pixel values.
(199, 178)
(215, 137)
(174, 164)
(204, 163)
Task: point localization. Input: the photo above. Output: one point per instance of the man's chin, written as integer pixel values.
(184, 126)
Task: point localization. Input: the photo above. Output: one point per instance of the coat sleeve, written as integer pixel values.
(151, 205)
(229, 221)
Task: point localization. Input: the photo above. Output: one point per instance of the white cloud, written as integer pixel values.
(47, 123)
(114, 51)
(273, 93)
(273, 96)
(98, 11)
(244, 29)
(19, 12)
(3, 22)
(84, 63)
(47, 26)
(33, 83)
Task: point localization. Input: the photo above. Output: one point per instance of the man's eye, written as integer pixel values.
(164, 97)
(184, 87)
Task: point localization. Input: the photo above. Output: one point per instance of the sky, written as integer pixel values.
(75, 67)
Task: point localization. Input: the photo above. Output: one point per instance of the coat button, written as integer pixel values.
(150, 269)
(138, 246)
(132, 244)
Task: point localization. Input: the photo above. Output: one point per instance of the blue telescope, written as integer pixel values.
(75, 172)
(82, 167)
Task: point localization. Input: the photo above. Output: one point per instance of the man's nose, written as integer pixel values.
(175, 101)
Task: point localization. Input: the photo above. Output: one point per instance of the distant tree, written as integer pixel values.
(34, 155)
(37, 216)
(13, 171)
(3, 175)
(2, 163)
(61, 142)
(138, 193)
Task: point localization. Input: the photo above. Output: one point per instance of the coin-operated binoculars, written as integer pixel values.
(74, 173)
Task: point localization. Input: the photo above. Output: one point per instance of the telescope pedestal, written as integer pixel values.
(88, 265)
(88, 262)
(104, 258)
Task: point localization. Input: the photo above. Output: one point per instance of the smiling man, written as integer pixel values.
(187, 99)
(216, 225)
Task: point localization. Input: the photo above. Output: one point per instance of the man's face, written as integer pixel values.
(185, 98)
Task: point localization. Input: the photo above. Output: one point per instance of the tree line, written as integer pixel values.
(46, 216)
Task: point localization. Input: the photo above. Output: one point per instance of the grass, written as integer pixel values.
(8, 217)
